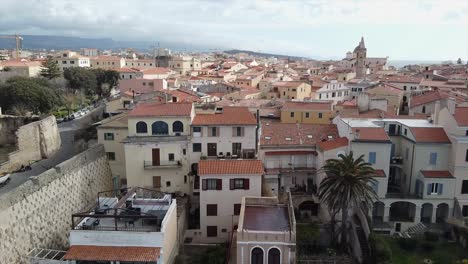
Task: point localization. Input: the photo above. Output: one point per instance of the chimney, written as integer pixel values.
(436, 112)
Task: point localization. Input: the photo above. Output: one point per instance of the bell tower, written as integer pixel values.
(360, 52)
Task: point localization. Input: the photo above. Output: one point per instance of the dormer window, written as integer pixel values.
(288, 139)
(267, 138)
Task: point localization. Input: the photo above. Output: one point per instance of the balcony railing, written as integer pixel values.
(149, 164)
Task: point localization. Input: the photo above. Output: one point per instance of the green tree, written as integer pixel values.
(348, 185)
(81, 79)
(20, 95)
(50, 69)
(106, 79)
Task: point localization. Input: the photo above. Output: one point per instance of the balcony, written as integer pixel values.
(163, 164)
(396, 161)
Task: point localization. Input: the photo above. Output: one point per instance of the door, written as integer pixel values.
(156, 159)
(156, 181)
(398, 227)
(212, 149)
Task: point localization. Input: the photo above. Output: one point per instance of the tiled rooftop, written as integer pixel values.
(333, 144)
(436, 174)
(161, 109)
(113, 253)
(370, 133)
(228, 116)
(429, 135)
(295, 134)
(209, 167)
(312, 106)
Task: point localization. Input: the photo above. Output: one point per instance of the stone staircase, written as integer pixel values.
(364, 245)
(417, 229)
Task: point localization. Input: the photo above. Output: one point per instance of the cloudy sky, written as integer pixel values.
(400, 29)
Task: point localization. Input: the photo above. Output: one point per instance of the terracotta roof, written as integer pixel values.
(430, 135)
(436, 174)
(402, 79)
(313, 106)
(281, 134)
(461, 116)
(108, 253)
(427, 97)
(333, 144)
(126, 70)
(229, 116)
(118, 121)
(290, 152)
(107, 58)
(157, 70)
(370, 133)
(287, 84)
(209, 167)
(379, 173)
(266, 218)
(385, 87)
(161, 109)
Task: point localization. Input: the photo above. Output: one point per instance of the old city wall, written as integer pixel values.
(9, 125)
(38, 213)
(34, 141)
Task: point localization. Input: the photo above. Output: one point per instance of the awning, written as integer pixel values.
(109, 253)
(289, 152)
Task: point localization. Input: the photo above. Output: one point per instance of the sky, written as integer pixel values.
(400, 29)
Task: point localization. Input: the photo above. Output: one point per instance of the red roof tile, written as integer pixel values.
(427, 97)
(281, 134)
(379, 173)
(157, 70)
(370, 133)
(430, 135)
(461, 116)
(402, 79)
(436, 174)
(312, 106)
(108, 253)
(333, 144)
(210, 167)
(229, 116)
(162, 109)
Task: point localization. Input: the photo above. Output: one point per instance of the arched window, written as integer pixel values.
(256, 256)
(424, 109)
(177, 126)
(274, 256)
(160, 128)
(141, 127)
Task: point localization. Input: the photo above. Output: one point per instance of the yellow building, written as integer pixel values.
(290, 90)
(107, 62)
(307, 112)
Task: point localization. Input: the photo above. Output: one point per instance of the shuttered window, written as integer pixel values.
(211, 209)
(239, 184)
(212, 184)
(433, 158)
(237, 208)
(372, 157)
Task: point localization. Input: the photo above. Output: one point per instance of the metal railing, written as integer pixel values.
(162, 164)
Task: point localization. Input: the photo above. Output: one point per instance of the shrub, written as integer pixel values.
(380, 250)
(408, 244)
(427, 247)
(431, 236)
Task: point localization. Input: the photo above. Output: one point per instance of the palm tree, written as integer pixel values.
(348, 184)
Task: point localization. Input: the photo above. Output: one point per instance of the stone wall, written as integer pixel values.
(9, 125)
(38, 212)
(34, 141)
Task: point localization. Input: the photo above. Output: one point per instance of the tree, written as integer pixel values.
(459, 61)
(106, 79)
(20, 95)
(50, 69)
(348, 184)
(81, 79)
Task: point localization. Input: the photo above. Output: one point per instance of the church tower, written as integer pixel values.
(360, 52)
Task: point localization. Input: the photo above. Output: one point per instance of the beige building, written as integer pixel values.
(307, 112)
(72, 59)
(107, 62)
(140, 63)
(157, 146)
(185, 64)
(266, 231)
(393, 95)
(22, 68)
(111, 133)
(290, 90)
(223, 184)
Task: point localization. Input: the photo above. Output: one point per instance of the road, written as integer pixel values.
(67, 134)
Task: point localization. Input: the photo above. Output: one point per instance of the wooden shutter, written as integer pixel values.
(234, 131)
(441, 186)
(217, 131)
(429, 188)
(242, 131)
(156, 181)
(219, 184)
(204, 185)
(246, 184)
(231, 184)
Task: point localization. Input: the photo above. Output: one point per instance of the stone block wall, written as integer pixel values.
(9, 125)
(38, 213)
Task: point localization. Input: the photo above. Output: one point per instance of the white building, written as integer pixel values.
(71, 59)
(333, 91)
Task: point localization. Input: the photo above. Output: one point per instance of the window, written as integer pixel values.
(156, 181)
(465, 210)
(434, 188)
(256, 256)
(372, 157)
(466, 133)
(406, 132)
(404, 87)
(320, 115)
(466, 156)
(239, 184)
(196, 147)
(464, 189)
(424, 109)
(237, 208)
(213, 132)
(237, 131)
(168, 184)
(108, 136)
(211, 210)
(433, 158)
(141, 127)
(212, 231)
(72, 62)
(236, 148)
(160, 128)
(171, 156)
(177, 126)
(184, 152)
(274, 256)
(212, 184)
(110, 155)
(307, 114)
(292, 114)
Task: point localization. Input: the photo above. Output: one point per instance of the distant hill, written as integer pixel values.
(261, 54)
(36, 42)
